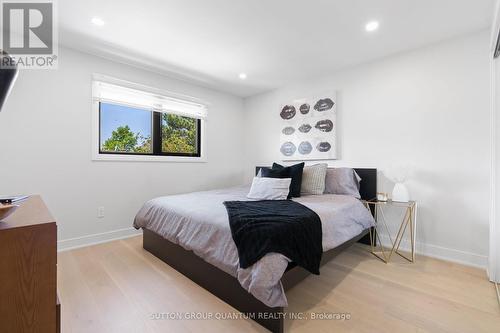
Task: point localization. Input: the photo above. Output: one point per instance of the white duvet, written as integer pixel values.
(199, 222)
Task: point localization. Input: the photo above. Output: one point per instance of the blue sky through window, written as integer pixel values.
(114, 116)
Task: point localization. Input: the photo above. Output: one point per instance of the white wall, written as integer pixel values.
(45, 130)
(428, 108)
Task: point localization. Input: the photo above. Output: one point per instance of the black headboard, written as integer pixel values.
(367, 186)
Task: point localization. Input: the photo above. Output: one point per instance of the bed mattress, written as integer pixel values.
(198, 222)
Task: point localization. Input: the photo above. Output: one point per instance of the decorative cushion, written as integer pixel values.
(264, 188)
(295, 172)
(274, 173)
(342, 181)
(313, 179)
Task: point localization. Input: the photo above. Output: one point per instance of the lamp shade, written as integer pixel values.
(7, 77)
(400, 193)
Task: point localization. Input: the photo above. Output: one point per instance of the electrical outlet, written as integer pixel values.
(100, 212)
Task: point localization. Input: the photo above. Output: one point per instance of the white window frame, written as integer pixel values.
(96, 154)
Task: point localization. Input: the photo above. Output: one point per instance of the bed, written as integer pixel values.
(190, 232)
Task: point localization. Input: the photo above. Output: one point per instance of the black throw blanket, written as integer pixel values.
(281, 226)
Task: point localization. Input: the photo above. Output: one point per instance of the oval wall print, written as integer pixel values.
(289, 130)
(324, 125)
(308, 127)
(305, 147)
(304, 108)
(304, 128)
(323, 147)
(288, 112)
(324, 104)
(288, 148)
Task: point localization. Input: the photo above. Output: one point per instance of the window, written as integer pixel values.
(124, 130)
(138, 124)
(128, 130)
(179, 135)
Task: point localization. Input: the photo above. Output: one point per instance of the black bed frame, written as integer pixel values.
(227, 287)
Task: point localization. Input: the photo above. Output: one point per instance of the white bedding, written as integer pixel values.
(198, 221)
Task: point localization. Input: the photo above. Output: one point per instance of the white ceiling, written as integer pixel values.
(273, 41)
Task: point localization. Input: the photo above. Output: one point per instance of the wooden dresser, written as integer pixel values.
(28, 270)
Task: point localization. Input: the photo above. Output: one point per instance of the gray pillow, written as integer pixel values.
(313, 179)
(342, 181)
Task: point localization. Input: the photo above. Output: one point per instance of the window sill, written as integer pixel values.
(146, 158)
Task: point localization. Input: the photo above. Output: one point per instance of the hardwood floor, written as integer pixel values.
(118, 287)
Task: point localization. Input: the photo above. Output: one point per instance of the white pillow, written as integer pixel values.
(264, 188)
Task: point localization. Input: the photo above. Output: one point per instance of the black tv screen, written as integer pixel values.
(7, 78)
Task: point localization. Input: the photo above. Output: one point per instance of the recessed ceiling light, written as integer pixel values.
(371, 26)
(97, 21)
(243, 76)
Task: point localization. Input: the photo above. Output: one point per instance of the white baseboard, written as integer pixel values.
(434, 251)
(439, 252)
(74, 243)
(447, 254)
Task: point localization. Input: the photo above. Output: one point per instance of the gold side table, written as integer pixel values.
(409, 223)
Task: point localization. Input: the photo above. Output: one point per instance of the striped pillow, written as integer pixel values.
(313, 179)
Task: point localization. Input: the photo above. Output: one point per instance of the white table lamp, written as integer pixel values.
(400, 193)
(399, 175)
